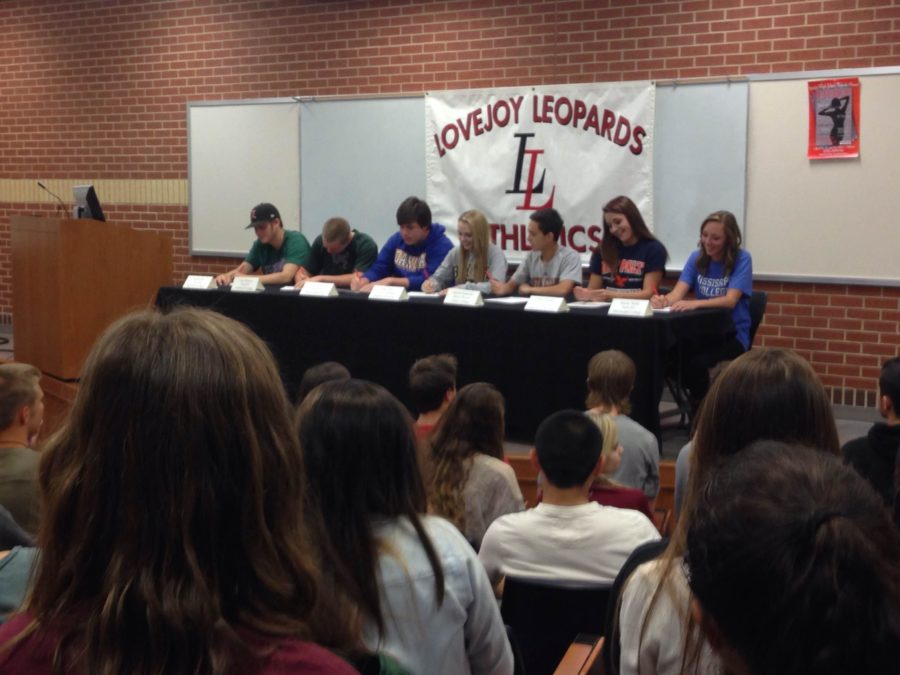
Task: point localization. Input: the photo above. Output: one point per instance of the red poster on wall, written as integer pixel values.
(834, 118)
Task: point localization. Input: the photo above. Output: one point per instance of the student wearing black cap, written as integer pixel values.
(276, 255)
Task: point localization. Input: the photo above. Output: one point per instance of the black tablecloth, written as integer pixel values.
(537, 360)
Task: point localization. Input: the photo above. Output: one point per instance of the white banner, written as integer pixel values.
(511, 151)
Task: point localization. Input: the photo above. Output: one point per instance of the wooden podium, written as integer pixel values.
(72, 278)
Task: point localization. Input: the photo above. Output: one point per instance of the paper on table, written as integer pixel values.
(662, 309)
(508, 301)
(422, 294)
(593, 304)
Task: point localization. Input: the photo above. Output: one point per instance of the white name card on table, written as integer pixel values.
(546, 303)
(319, 289)
(199, 282)
(628, 307)
(389, 293)
(464, 297)
(247, 285)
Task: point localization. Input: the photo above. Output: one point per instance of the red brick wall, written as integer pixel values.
(93, 89)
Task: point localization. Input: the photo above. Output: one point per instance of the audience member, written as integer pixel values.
(411, 255)
(720, 274)
(610, 379)
(276, 255)
(875, 455)
(319, 373)
(432, 387)
(422, 596)
(630, 261)
(172, 538)
(792, 560)
(473, 263)
(763, 394)
(566, 539)
(470, 484)
(605, 490)
(337, 254)
(549, 268)
(21, 417)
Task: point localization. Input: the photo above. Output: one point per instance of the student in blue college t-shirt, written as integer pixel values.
(720, 274)
(630, 261)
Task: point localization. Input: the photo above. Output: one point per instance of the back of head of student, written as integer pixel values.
(360, 454)
(313, 376)
(430, 379)
(889, 387)
(568, 446)
(173, 503)
(764, 393)
(610, 379)
(19, 387)
(793, 560)
(336, 231)
(549, 222)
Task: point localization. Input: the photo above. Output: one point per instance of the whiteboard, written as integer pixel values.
(359, 159)
(240, 153)
(700, 160)
(834, 220)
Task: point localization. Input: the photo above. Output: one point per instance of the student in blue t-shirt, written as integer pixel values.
(720, 274)
(630, 261)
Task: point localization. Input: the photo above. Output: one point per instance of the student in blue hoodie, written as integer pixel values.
(411, 255)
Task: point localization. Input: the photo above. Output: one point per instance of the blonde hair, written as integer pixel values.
(480, 243)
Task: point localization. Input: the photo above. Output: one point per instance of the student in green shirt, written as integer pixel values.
(337, 254)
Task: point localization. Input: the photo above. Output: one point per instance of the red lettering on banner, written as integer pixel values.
(516, 104)
(595, 234)
(479, 129)
(609, 120)
(509, 236)
(566, 117)
(623, 126)
(440, 149)
(638, 146)
(593, 120)
(580, 112)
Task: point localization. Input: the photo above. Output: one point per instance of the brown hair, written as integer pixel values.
(732, 241)
(609, 245)
(184, 411)
(764, 394)
(610, 380)
(336, 230)
(473, 423)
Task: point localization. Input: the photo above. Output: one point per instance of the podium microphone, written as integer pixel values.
(62, 204)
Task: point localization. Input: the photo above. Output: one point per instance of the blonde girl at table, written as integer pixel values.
(471, 264)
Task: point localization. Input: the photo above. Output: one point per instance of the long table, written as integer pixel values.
(537, 360)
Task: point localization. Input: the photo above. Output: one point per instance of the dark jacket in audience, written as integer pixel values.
(874, 457)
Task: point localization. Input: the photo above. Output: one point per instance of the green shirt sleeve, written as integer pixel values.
(366, 251)
(254, 258)
(296, 249)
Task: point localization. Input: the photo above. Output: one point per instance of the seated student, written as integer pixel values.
(876, 454)
(411, 255)
(415, 582)
(720, 273)
(276, 255)
(763, 394)
(549, 269)
(337, 254)
(172, 535)
(21, 417)
(319, 373)
(470, 485)
(566, 539)
(610, 379)
(432, 387)
(792, 560)
(605, 490)
(473, 263)
(630, 261)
